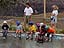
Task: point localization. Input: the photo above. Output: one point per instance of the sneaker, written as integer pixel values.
(4, 38)
(27, 38)
(50, 40)
(15, 36)
(31, 38)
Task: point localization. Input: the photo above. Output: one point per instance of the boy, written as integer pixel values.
(50, 32)
(5, 28)
(32, 29)
(19, 29)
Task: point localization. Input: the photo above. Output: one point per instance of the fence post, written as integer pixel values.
(44, 8)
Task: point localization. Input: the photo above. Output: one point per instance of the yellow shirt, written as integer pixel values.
(32, 28)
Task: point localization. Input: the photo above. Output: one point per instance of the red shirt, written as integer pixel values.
(51, 30)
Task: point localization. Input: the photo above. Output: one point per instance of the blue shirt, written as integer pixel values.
(19, 27)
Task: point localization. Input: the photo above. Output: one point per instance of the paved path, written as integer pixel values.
(54, 44)
(12, 42)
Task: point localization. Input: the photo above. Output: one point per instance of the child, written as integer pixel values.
(5, 28)
(54, 16)
(32, 29)
(50, 32)
(38, 27)
(40, 37)
(19, 29)
(43, 30)
(28, 11)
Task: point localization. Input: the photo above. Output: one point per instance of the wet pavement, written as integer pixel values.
(54, 44)
(12, 42)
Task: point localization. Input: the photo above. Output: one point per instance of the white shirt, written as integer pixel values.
(28, 11)
(55, 12)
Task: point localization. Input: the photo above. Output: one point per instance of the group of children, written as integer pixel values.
(35, 30)
(45, 31)
(39, 29)
(5, 28)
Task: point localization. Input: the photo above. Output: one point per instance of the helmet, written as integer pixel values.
(31, 23)
(17, 22)
(5, 22)
(41, 24)
(38, 24)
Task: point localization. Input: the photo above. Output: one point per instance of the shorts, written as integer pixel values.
(18, 31)
(53, 19)
(27, 19)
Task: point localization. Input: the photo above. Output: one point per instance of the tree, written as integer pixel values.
(6, 3)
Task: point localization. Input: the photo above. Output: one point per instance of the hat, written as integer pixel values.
(17, 22)
(41, 24)
(5, 22)
(31, 23)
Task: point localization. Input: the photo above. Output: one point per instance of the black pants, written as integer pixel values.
(48, 34)
(5, 33)
(32, 35)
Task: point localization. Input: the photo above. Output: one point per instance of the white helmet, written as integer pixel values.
(41, 24)
(5, 22)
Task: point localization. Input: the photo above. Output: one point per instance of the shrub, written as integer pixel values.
(12, 28)
(62, 31)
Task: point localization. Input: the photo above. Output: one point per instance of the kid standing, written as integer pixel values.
(54, 16)
(28, 11)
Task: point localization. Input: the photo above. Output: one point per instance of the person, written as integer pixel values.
(5, 28)
(28, 11)
(41, 24)
(54, 16)
(50, 32)
(42, 28)
(40, 37)
(19, 29)
(32, 29)
(38, 27)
